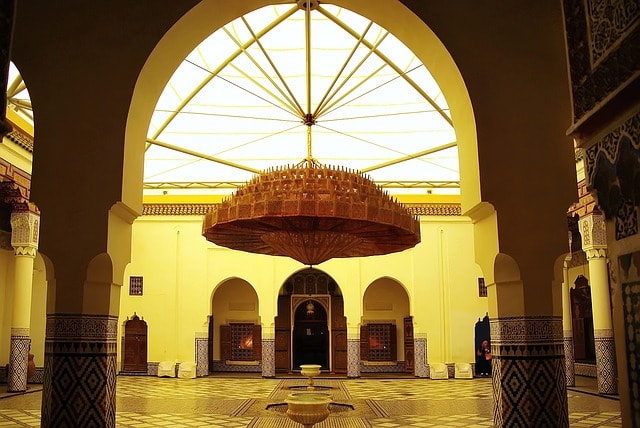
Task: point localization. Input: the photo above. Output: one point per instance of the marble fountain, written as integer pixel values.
(310, 406)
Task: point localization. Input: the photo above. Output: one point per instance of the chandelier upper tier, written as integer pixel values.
(260, 89)
(312, 213)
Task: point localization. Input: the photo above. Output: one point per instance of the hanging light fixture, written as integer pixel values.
(309, 211)
(312, 213)
(311, 309)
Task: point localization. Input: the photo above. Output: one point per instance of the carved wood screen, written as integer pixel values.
(408, 345)
(378, 342)
(240, 342)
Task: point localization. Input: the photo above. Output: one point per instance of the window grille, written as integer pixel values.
(242, 341)
(482, 288)
(135, 286)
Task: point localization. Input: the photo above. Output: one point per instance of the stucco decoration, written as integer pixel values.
(613, 171)
(602, 41)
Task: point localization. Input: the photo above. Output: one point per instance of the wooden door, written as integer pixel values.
(338, 335)
(283, 335)
(210, 337)
(409, 355)
(135, 345)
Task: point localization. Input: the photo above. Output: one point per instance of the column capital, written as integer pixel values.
(593, 230)
(25, 232)
(595, 253)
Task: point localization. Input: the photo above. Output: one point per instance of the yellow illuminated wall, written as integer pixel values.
(186, 277)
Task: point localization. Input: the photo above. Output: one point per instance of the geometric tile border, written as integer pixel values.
(529, 382)
(202, 356)
(268, 357)
(606, 365)
(80, 371)
(353, 357)
(19, 356)
(569, 363)
(222, 366)
(585, 369)
(421, 366)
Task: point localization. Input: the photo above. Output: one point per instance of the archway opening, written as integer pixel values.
(310, 335)
(310, 327)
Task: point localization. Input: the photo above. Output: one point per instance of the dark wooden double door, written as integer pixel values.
(312, 341)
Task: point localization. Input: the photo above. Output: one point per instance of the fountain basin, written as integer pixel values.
(308, 408)
(310, 370)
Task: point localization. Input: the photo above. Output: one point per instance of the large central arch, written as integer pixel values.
(207, 17)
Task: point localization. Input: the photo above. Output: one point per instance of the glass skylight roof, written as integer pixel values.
(282, 84)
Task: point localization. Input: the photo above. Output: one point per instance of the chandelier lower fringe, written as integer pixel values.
(312, 213)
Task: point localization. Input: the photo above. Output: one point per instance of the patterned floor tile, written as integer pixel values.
(151, 402)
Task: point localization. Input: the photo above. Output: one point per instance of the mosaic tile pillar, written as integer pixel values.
(18, 360)
(202, 355)
(606, 370)
(353, 352)
(421, 367)
(567, 324)
(79, 387)
(528, 372)
(269, 358)
(594, 241)
(569, 361)
(24, 240)
(268, 351)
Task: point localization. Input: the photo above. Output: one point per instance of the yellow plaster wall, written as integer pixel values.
(38, 321)
(182, 270)
(6, 303)
(38, 308)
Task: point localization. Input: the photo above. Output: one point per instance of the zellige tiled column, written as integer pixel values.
(268, 351)
(567, 327)
(528, 372)
(594, 244)
(80, 371)
(24, 239)
(420, 345)
(353, 351)
(202, 354)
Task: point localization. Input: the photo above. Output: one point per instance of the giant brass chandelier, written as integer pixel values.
(312, 212)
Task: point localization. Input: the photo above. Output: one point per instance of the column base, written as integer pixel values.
(353, 358)
(569, 361)
(79, 387)
(606, 369)
(268, 358)
(529, 382)
(18, 364)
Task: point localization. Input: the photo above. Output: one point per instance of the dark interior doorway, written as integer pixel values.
(310, 335)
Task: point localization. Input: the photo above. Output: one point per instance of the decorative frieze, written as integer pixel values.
(202, 209)
(602, 42)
